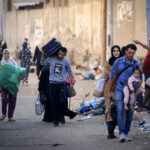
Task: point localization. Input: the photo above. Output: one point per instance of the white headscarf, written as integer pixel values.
(10, 60)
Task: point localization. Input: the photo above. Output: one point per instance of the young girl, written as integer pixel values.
(7, 98)
(134, 85)
(25, 56)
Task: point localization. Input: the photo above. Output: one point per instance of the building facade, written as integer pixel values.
(1, 19)
(78, 24)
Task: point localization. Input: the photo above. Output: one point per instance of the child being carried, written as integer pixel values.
(134, 86)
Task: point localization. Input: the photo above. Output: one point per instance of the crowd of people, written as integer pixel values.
(123, 87)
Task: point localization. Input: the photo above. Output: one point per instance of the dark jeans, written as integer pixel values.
(140, 100)
(146, 75)
(124, 126)
(111, 127)
(58, 98)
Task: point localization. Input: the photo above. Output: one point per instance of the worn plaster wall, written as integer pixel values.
(1, 19)
(76, 23)
(129, 23)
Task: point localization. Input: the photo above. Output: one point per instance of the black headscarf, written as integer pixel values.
(24, 45)
(112, 58)
(123, 50)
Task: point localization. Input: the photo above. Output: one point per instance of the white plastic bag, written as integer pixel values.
(99, 87)
(148, 82)
(39, 108)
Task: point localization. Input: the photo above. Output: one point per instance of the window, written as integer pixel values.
(8, 5)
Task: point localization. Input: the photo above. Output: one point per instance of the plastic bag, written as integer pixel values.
(99, 87)
(39, 108)
(148, 82)
(9, 77)
(92, 104)
(88, 76)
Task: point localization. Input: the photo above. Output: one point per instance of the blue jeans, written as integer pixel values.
(124, 127)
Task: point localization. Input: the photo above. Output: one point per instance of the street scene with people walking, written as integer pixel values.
(74, 74)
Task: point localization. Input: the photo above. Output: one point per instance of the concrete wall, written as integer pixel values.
(76, 23)
(129, 23)
(1, 19)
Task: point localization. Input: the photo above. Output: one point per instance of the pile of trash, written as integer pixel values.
(144, 127)
(92, 72)
(94, 107)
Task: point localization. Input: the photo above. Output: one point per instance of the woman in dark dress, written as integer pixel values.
(44, 89)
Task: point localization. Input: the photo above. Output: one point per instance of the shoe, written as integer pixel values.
(128, 139)
(2, 117)
(139, 109)
(73, 115)
(11, 120)
(26, 83)
(122, 138)
(111, 136)
(63, 120)
(56, 124)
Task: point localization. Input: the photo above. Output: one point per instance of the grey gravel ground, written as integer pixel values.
(30, 133)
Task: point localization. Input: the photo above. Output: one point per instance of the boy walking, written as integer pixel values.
(59, 67)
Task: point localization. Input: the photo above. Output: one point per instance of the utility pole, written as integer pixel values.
(1, 19)
(104, 34)
(109, 27)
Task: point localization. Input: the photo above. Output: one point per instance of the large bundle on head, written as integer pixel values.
(9, 77)
(52, 47)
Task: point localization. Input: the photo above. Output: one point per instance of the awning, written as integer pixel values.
(23, 3)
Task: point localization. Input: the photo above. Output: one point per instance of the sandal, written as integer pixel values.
(2, 117)
(11, 120)
(22, 83)
(139, 109)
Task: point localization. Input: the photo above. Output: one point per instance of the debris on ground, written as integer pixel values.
(94, 106)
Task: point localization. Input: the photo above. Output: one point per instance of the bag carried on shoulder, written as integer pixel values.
(39, 108)
(99, 87)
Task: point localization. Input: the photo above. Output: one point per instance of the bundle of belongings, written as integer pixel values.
(52, 47)
(94, 106)
(88, 76)
(9, 77)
